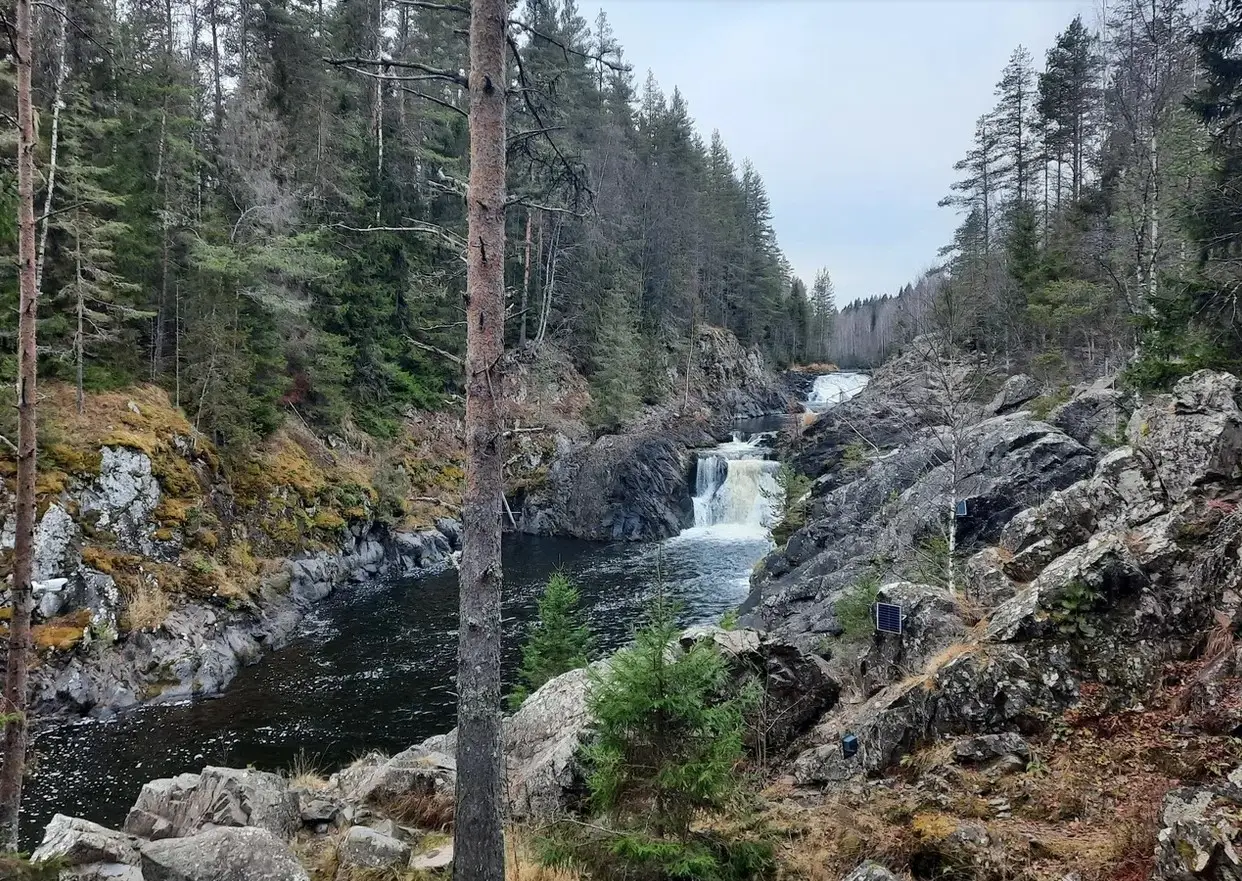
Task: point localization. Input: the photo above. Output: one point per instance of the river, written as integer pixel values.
(372, 666)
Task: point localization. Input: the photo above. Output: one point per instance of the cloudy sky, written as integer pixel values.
(854, 111)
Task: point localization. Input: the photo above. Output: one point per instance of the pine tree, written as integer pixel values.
(560, 641)
(1015, 131)
(1068, 102)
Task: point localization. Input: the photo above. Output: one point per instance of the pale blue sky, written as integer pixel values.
(854, 111)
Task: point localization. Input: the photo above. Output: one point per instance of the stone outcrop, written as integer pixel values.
(200, 645)
(1201, 838)
(225, 854)
(1104, 581)
(181, 806)
(632, 487)
(893, 503)
(1096, 415)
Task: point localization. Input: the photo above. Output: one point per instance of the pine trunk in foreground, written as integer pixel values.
(477, 835)
(13, 710)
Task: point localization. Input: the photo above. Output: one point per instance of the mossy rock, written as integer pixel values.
(62, 634)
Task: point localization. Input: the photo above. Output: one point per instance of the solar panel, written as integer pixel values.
(961, 508)
(888, 618)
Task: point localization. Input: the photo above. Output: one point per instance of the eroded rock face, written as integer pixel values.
(225, 854)
(1096, 416)
(1193, 435)
(1103, 580)
(123, 499)
(619, 488)
(902, 499)
(180, 806)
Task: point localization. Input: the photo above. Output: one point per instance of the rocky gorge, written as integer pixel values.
(1062, 696)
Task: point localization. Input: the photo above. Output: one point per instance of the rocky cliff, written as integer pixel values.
(160, 569)
(1073, 663)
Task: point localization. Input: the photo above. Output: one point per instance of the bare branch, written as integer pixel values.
(518, 137)
(436, 351)
(432, 72)
(395, 78)
(551, 209)
(434, 100)
(569, 50)
(437, 7)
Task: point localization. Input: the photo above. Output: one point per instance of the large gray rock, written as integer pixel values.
(123, 498)
(371, 849)
(984, 688)
(224, 854)
(1201, 838)
(930, 624)
(1016, 391)
(183, 805)
(1095, 416)
(542, 741)
(415, 771)
(55, 547)
(797, 686)
(630, 487)
(1123, 492)
(70, 841)
(1193, 435)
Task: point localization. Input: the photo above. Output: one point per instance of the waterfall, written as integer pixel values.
(734, 484)
(835, 388)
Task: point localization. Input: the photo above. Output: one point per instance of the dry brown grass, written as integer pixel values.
(145, 608)
(825, 842)
(305, 774)
(425, 810)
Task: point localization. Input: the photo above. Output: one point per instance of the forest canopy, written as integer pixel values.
(259, 206)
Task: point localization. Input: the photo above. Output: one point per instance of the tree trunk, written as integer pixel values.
(525, 280)
(79, 336)
(478, 840)
(14, 709)
(62, 14)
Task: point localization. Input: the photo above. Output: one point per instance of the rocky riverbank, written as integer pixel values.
(162, 568)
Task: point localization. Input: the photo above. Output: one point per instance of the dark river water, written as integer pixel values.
(372, 668)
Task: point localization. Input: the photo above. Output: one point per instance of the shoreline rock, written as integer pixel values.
(201, 646)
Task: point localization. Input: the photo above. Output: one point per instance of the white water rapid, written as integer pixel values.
(835, 388)
(735, 485)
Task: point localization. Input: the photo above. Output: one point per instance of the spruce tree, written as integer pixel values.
(559, 642)
(668, 741)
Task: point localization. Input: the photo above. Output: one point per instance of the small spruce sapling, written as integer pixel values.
(668, 740)
(560, 641)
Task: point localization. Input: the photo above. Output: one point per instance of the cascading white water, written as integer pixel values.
(835, 388)
(734, 484)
